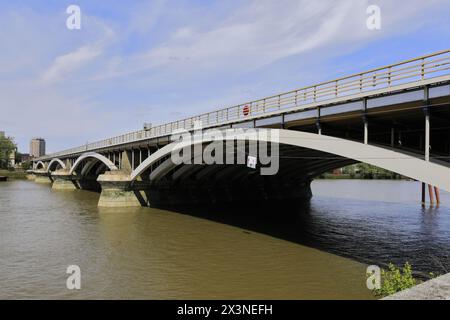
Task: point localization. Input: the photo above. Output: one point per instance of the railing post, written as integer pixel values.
(360, 82)
(389, 77)
(336, 87)
(314, 94)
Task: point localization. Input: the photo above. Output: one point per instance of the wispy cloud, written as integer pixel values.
(256, 34)
(69, 62)
(262, 32)
(153, 61)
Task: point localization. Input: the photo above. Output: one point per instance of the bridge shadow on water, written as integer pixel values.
(370, 232)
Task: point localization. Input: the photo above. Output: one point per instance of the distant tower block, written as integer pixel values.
(37, 147)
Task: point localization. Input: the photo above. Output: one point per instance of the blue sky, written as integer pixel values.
(161, 60)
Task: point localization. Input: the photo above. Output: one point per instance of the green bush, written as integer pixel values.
(26, 165)
(395, 279)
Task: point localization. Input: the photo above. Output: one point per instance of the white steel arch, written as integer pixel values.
(407, 165)
(97, 157)
(56, 160)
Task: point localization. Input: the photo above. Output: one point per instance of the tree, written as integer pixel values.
(26, 165)
(7, 146)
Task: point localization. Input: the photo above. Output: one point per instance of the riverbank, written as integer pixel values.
(13, 174)
(434, 289)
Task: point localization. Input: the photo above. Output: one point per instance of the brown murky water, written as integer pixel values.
(157, 254)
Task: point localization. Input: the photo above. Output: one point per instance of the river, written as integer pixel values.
(315, 251)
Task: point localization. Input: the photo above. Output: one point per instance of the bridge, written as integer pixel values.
(396, 117)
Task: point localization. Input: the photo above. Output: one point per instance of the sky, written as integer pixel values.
(162, 60)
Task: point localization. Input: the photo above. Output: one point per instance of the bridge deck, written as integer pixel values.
(389, 85)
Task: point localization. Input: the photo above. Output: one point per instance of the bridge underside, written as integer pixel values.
(238, 183)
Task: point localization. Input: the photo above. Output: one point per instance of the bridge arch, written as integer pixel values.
(40, 165)
(54, 164)
(338, 151)
(93, 158)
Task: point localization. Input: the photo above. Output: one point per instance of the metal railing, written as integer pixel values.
(409, 71)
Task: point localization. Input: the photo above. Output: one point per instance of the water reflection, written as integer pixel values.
(366, 230)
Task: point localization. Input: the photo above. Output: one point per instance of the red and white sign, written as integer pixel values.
(246, 110)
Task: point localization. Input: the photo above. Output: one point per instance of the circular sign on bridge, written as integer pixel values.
(246, 110)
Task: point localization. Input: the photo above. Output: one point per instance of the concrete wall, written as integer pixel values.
(435, 289)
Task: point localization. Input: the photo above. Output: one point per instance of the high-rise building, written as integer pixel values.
(37, 147)
(2, 134)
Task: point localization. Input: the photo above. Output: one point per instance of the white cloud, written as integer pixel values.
(146, 15)
(65, 64)
(261, 32)
(154, 54)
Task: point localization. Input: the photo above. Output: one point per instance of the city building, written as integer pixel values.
(24, 157)
(37, 147)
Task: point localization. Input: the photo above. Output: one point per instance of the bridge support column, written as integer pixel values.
(433, 192)
(68, 163)
(30, 175)
(42, 177)
(423, 193)
(366, 131)
(62, 180)
(392, 137)
(116, 190)
(319, 127)
(365, 122)
(427, 136)
(437, 194)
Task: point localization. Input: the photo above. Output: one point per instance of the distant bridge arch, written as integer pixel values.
(93, 158)
(54, 163)
(40, 165)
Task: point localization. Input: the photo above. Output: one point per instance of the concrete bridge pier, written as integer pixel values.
(116, 190)
(30, 175)
(42, 176)
(63, 180)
